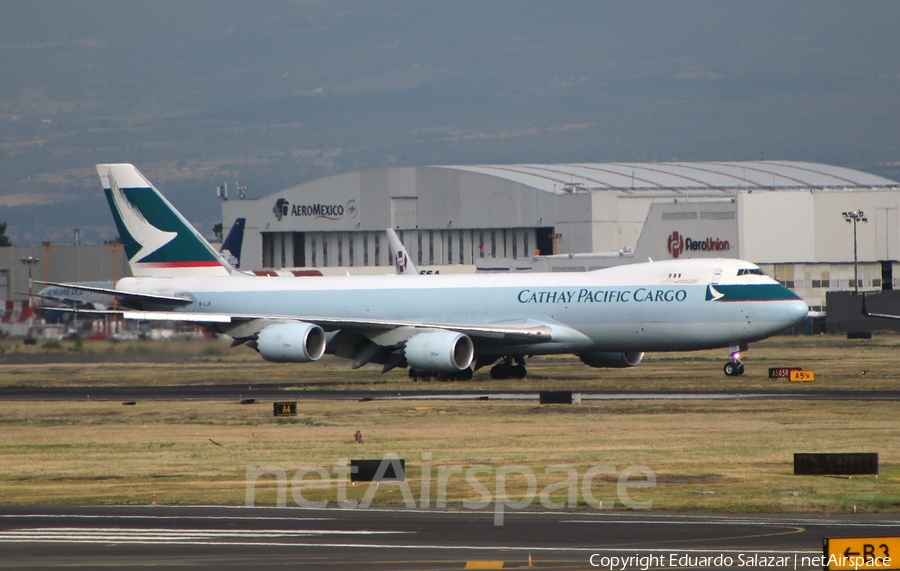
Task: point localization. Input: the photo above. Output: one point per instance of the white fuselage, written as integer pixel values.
(656, 306)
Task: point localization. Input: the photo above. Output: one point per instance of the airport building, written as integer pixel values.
(786, 216)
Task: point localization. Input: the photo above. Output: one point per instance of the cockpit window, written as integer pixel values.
(751, 272)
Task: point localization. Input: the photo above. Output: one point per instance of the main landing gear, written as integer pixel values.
(734, 367)
(506, 370)
(417, 375)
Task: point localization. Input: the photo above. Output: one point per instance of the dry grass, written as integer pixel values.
(837, 362)
(707, 455)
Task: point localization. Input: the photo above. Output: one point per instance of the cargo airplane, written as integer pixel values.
(445, 325)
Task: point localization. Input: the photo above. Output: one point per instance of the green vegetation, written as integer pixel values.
(4, 239)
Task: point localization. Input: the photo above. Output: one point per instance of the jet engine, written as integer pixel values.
(611, 360)
(291, 342)
(439, 352)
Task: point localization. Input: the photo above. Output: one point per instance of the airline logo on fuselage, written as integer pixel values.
(584, 295)
(677, 244)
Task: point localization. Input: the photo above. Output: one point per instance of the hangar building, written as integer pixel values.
(784, 215)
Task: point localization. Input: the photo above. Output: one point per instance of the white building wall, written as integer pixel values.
(777, 226)
(632, 212)
(876, 238)
(437, 208)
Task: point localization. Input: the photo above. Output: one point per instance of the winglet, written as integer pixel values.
(157, 239)
(402, 263)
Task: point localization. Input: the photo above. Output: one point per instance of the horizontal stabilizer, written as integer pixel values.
(125, 295)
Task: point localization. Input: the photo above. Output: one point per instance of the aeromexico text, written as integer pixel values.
(318, 210)
(640, 295)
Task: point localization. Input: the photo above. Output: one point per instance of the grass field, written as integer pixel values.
(838, 364)
(734, 455)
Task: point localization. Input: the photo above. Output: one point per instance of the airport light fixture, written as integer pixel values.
(855, 217)
(31, 262)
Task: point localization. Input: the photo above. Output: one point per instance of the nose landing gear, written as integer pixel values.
(734, 367)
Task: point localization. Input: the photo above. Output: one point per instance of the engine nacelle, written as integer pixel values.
(291, 342)
(439, 352)
(611, 360)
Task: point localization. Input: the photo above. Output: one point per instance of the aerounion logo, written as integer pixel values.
(677, 244)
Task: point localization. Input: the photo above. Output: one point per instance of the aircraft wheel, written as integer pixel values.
(740, 369)
(417, 375)
(732, 367)
(498, 372)
(464, 375)
(519, 371)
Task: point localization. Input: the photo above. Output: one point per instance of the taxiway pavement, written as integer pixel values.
(131, 537)
(236, 392)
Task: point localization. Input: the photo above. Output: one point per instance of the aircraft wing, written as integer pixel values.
(519, 332)
(527, 332)
(868, 313)
(882, 315)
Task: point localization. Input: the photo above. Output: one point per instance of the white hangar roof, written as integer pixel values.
(714, 179)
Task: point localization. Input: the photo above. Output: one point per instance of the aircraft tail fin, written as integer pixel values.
(158, 241)
(231, 247)
(402, 263)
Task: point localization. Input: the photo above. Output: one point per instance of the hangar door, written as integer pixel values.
(887, 232)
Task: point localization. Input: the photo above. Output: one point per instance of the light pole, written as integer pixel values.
(855, 217)
(29, 261)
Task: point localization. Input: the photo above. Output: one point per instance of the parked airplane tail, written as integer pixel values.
(402, 263)
(231, 247)
(157, 239)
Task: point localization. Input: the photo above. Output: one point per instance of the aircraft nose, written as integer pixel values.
(798, 310)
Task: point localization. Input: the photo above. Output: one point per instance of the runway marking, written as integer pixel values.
(172, 517)
(224, 532)
(712, 520)
(589, 396)
(136, 540)
(179, 536)
(596, 518)
(796, 530)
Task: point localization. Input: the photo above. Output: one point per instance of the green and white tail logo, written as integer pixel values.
(157, 239)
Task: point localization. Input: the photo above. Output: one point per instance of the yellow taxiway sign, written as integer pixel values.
(862, 553)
